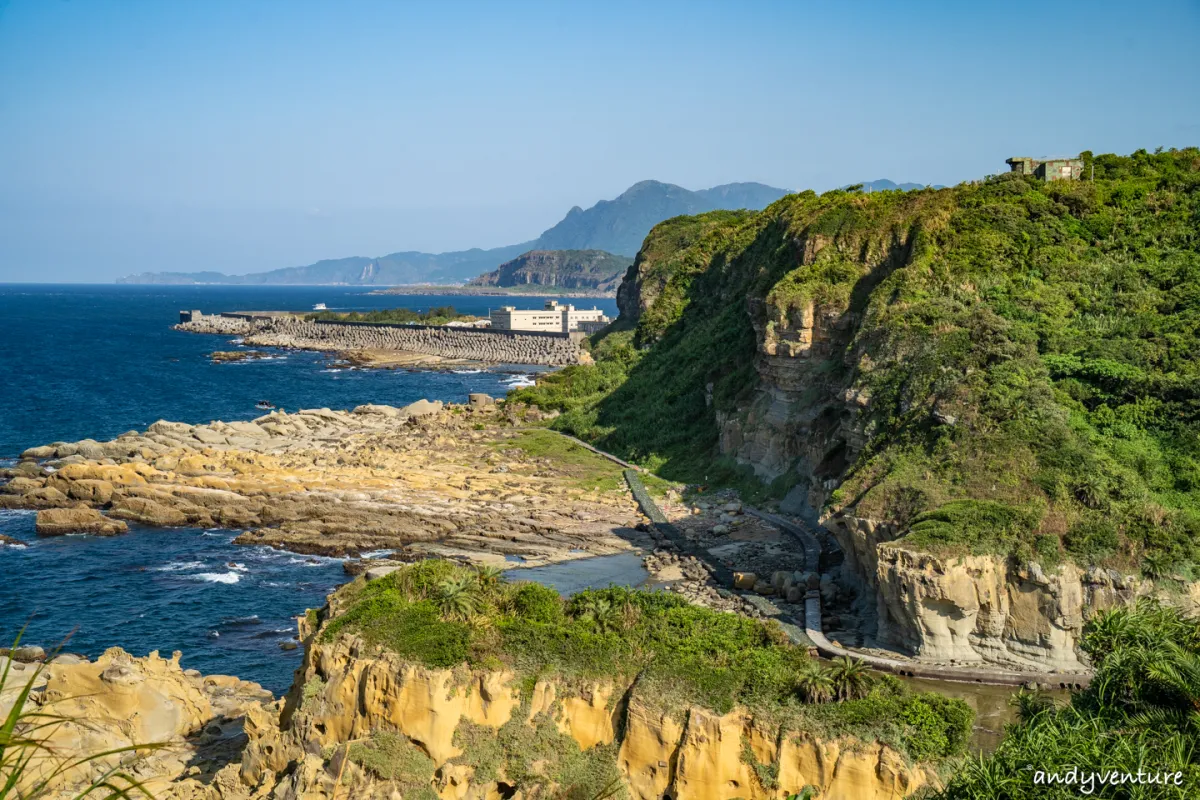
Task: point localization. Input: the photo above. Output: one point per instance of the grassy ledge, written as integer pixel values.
(440, 615)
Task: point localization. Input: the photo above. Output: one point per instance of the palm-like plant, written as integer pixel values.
(597, 610)
(488, 575)
(850, 678)
(458, 598)
(1158, 564)
(814, 683)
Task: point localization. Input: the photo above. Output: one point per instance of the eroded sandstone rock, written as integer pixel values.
(61, 521)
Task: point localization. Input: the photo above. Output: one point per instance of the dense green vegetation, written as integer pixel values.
(1029, 351)
(437, 315)
(442, 615)
(1141, 713)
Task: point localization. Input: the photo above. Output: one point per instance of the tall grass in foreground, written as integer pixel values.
(30, 765)
(1140, 717)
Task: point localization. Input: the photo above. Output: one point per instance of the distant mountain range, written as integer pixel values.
(616, 226)
(563, 269)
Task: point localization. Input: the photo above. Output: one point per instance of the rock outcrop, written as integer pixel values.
(60, 521)
(977, 608)
(348, 692)
(193, 723)
(424, 480)
(563, 269)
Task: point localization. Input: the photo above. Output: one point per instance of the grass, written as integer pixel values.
(586, 469)
(393, 757)
(531, 753)
(680, 655)
(1140, 714)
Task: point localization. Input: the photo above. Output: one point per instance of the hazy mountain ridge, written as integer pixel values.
(565, 269)
(616, 226)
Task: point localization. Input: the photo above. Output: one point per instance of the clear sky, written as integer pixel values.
(244, 135)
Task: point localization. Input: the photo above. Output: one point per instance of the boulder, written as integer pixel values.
(46, 497)
(45, 451)
(744, 580)
(421, 408)
(764, 588)
(370, 408)
(28, 469)
(28, 654)
(208, 436)
(795, 594)
(60, 521)
(148, 512)
(379, 572)
(95, 492)
(21, 485)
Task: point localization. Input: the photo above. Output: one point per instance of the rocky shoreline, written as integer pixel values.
(453, 344)
(424, 480)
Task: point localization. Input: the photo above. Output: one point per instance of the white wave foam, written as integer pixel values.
(519, 381)
(314, 561)
(218, 577)
(176, 566)
(377, 553)
(466, 371)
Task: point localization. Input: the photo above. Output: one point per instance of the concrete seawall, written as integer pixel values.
(497, 347)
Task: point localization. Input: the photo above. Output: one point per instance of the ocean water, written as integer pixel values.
(95, 361)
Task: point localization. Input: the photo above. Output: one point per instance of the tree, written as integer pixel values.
(849, 677)
(814, 683)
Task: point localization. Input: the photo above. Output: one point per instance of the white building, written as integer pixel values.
(553, 318)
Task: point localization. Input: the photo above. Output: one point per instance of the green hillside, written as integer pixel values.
(1026, 353)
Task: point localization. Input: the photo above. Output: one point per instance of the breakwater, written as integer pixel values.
(497, 347)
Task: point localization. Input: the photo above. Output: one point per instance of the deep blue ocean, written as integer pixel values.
(94, 361)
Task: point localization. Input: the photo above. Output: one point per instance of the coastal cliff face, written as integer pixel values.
(945, 363)
(564, 269)
(445, 726)
(972, 609)
(384, 728)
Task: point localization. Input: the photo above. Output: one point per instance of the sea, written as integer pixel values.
(94, 361)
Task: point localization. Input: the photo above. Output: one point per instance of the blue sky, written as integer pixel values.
(244, 136)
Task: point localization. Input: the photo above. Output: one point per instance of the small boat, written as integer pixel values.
(264, 405)
(319, 307)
